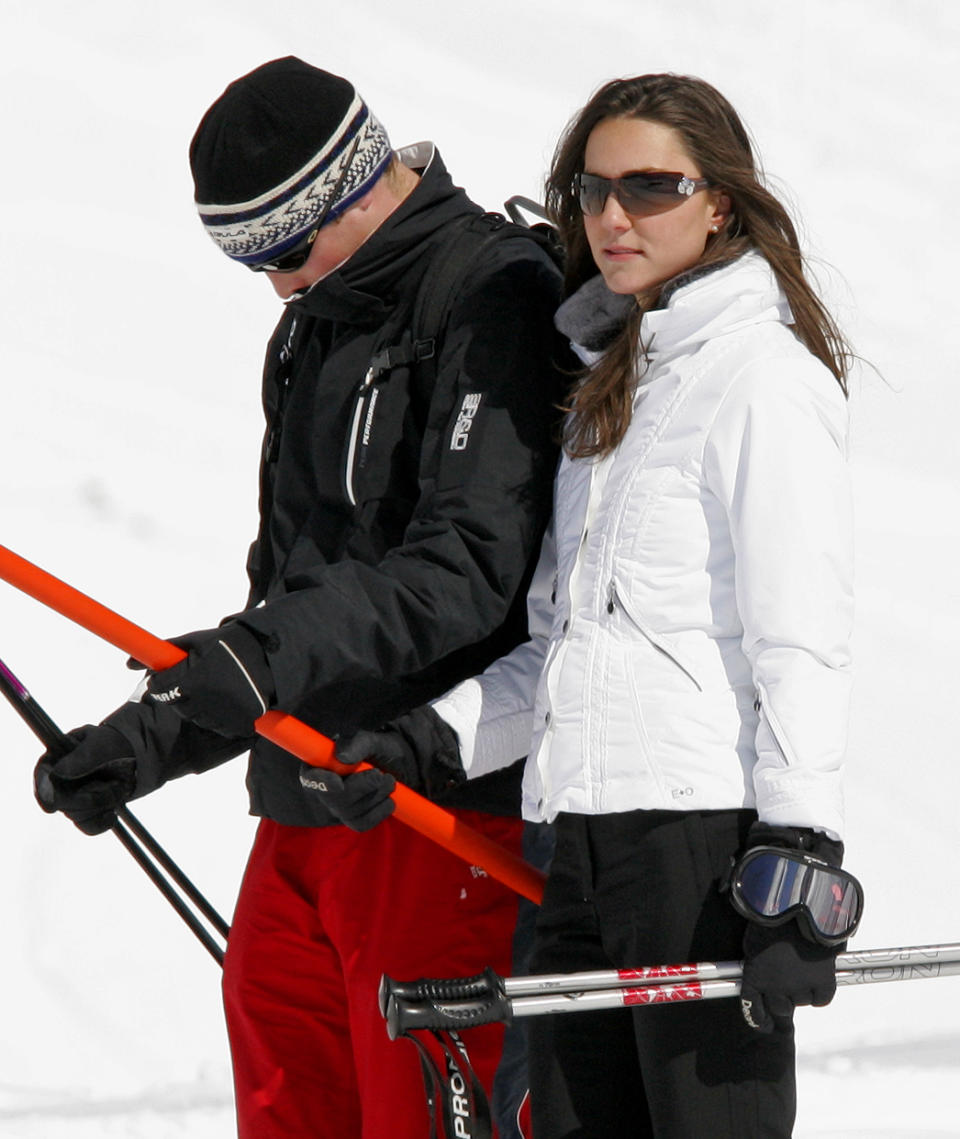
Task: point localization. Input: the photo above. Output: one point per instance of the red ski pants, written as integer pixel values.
(322, 914)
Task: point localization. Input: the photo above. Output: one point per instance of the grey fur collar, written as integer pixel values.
(592, 316)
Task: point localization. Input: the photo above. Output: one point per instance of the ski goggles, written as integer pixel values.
(296, 257)
(770, 885)
(646, 192)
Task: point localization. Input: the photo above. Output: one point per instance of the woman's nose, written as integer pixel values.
(614, 215)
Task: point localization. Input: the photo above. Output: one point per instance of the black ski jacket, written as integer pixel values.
(399, 527)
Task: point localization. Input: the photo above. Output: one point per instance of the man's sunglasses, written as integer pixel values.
(641, 193)
(296, 257)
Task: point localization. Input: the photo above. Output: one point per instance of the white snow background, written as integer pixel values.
(131, 353)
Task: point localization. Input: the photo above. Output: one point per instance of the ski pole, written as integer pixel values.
(468, 1002)
(284, 730)
(129, 830)
(54, 739)
(163, 885)
(174, 872)
(483, 984)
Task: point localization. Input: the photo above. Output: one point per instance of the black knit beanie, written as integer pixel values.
(268, 153)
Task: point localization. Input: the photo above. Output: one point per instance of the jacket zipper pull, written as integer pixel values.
(612, 597)
(367, 382)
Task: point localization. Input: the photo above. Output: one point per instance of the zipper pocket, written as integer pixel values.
(614, 599)
(773, 723)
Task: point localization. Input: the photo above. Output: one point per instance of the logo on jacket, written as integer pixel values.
(461, 429)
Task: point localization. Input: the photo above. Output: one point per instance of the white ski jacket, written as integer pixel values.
(692, 611)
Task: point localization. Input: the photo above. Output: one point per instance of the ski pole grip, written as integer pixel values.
(405, 1016)
(482, 986)
(284, 730)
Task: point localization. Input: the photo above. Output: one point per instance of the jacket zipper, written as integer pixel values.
(614, 599)
(366, 400)
(284, 375)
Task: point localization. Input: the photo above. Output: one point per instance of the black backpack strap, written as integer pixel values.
(457, 248)
(452, 262)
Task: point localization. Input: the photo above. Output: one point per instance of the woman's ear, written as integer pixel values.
(720, 212)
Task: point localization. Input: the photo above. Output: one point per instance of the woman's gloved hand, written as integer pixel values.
(418, 749)
(784, 965)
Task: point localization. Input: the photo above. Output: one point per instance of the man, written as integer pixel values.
(405, 485)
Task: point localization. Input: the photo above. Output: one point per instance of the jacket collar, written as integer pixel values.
(696, 306)
(364, 290)
(731, 297)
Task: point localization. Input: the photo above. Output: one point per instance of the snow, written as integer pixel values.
(131, 352)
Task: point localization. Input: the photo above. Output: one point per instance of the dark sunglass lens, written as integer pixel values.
(291, 260)
(594, 192)
(640, 191)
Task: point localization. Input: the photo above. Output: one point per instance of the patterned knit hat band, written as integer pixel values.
(269, 153)
(270, 224)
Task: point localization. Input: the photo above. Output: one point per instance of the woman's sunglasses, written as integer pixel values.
(641, 193)
(296, 257)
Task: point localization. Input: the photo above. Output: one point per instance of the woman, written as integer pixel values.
(687, 680)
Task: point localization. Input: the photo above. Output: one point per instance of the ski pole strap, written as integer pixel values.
(456, 1100)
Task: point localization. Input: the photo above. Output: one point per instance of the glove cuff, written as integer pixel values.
(251, 658)
(133, 723)
(428, 734)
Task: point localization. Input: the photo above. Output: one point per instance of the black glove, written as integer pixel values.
(360, 800)
(91, 781)
(418, 749)
(223, 685)
(782, 965)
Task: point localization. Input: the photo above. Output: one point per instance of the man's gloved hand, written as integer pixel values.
(783, 966)
(360, 800)
(91, 781)
(418, 749)
(223, 685)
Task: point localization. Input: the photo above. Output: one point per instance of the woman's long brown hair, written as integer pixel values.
(716, 139)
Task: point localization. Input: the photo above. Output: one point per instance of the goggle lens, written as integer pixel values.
(772, 885)
(641, 193)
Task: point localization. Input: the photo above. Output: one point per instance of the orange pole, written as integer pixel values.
(286, 731)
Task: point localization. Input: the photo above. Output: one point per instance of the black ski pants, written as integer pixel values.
(642, 888)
